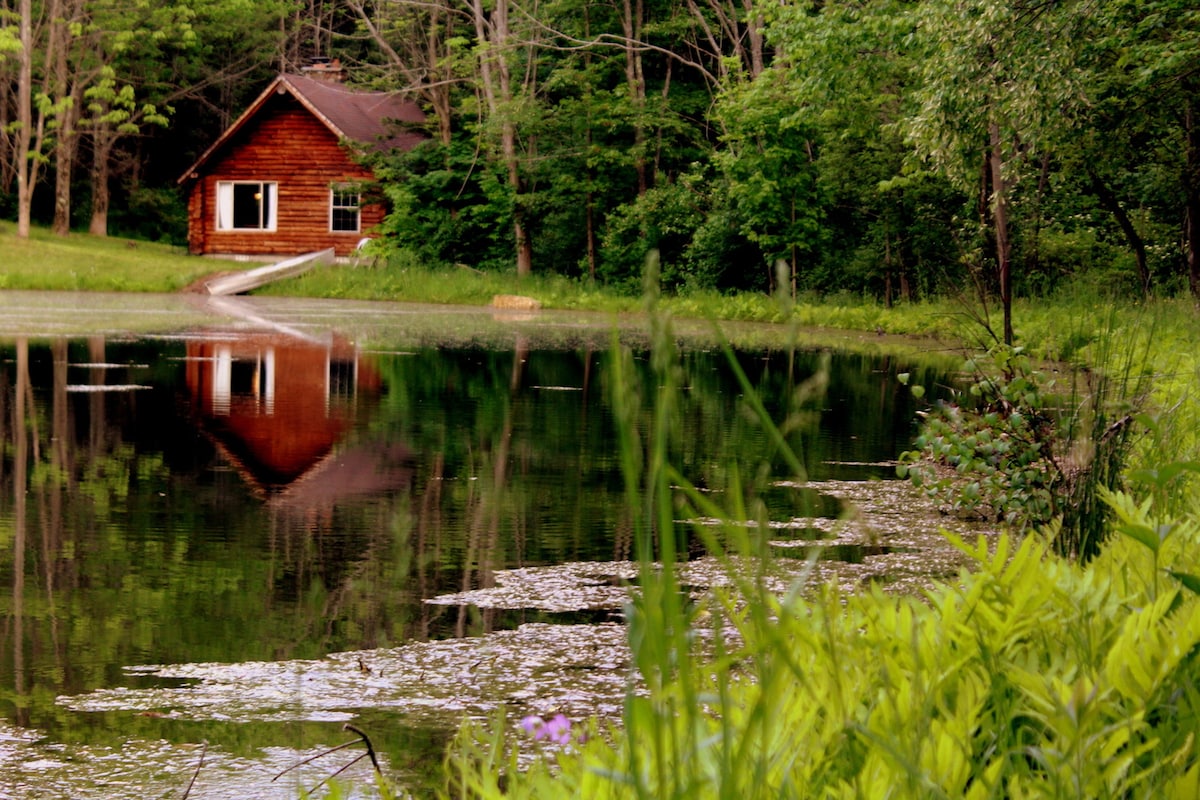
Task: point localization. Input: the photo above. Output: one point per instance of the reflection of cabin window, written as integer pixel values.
(243, 377)
(343, 209)
(246, 205)
(341, 379)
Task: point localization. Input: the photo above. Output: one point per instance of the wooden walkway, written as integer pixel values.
(240, 282)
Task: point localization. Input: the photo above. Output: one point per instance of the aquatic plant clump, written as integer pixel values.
(1012, 451)
(580, 668)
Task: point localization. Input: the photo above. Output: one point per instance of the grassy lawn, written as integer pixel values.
(81, 262)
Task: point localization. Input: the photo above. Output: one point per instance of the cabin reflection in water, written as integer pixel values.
(278, 408)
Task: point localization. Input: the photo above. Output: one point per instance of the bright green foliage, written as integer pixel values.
(1030, 678)
(985, 62)
(884, 226)
(660, 221)
(9, 42)
(771, 175)
(115, 106)
(445, 208)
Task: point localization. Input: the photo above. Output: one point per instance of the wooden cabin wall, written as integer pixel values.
(287, 145)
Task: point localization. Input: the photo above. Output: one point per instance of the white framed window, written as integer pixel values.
(246, 205)
(344, 206)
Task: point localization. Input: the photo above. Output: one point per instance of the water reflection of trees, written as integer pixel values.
(129, 538)
(20, 699)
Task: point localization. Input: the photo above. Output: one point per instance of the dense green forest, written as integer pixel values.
(891, 148)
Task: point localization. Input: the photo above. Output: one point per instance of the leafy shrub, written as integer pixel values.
(444, 208)
(662, 219)
(1020, 455)
(153, 215)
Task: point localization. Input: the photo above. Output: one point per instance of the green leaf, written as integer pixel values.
(1160, 477)
(1189, 581)
(1141, 533)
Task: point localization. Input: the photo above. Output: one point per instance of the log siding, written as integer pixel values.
(283, 144)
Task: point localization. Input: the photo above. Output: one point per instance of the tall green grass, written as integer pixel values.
(1029, 675)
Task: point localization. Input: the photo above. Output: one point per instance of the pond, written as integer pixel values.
(228, 527)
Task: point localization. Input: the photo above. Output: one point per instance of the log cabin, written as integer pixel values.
(283, 179)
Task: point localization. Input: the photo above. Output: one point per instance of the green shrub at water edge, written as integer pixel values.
(1018, 449)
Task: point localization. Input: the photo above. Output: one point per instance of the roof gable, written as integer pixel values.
(367, 119)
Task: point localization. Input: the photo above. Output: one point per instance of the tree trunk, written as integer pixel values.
(32, 136)
(755, 37)
(1192, 194)
(66, 149)
(795, 266)
(8, 135)
(64, 160)
(999, 203)
(102, 146)
(635, 80)
(887, 271)
(493, 35)
(524, 246)
(26, 175)
(438, 93)
(66, 140)
(1109, 200)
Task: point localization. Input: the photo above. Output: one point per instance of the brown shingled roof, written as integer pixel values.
(366, 117)
(379, 120)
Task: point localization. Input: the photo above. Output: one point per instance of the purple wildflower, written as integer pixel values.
(557, 730)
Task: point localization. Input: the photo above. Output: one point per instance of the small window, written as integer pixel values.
(343, 209)
(246, 205)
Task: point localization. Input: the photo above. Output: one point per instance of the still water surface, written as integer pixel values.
(229, 528)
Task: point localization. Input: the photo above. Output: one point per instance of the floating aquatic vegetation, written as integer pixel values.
(574, 586)
(544, 674)
(139, 768)
(583, 669)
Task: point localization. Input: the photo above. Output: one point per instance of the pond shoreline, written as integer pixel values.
(50, 314)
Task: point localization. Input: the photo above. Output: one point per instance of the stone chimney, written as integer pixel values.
(325, 69)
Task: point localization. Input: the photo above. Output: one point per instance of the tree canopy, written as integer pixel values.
(887, 148)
